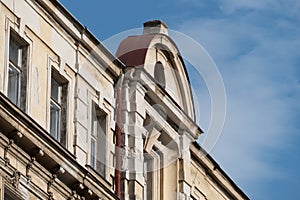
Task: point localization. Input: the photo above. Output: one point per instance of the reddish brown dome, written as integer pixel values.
(132, 51)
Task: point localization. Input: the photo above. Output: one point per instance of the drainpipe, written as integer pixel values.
(118, 137)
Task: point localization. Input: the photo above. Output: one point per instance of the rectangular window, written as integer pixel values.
(148, 175)
(58, 107)
(55, 109)
(17, 71)
(98, 140)
(152, 174)
(10, 195)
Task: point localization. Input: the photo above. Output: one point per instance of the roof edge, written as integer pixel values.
(216, 166)
(80, 28)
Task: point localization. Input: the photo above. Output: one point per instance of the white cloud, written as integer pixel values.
(258, 62)
(286, 7)
(233, 5)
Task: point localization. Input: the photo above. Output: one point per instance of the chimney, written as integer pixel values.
(155, 27)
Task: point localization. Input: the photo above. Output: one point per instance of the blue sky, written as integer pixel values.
(256, 46)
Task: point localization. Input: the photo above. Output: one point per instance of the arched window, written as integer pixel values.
(159, 74)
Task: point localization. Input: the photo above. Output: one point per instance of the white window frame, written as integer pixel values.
(10, 94)
(21, 70)
(98, 142)
(12, 193)
(57, 104)
(155, 174)
(58, 129)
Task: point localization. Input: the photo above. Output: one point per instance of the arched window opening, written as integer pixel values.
(159, 74)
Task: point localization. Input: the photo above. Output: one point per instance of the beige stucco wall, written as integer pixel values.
(50, 46)
(203, 186)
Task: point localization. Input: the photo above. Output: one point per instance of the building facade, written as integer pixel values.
(77, 122)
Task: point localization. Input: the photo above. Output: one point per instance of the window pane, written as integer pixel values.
(55, 90)
(159, 74)
(98, 139)
(13, 52)
(94, 127)
(13, 84)
(55, 121)
(9, 195)
(93, 153)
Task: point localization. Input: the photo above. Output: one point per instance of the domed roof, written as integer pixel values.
(132, 51)
(158, 54)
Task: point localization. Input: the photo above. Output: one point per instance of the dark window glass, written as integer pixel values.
(159, 74)
(17, 71)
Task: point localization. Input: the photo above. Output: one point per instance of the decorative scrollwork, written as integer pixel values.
(28, 167)
(51, 181)
(15, 179)
(6, 149)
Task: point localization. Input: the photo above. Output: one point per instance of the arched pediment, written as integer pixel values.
(160, 57)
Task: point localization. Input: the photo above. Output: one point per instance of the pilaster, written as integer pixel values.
(133, 114)
(184, 166)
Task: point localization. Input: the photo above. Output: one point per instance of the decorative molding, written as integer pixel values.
(15, 179)
(6, 149)
(74, 196)
(50, 183)
(28, 167)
